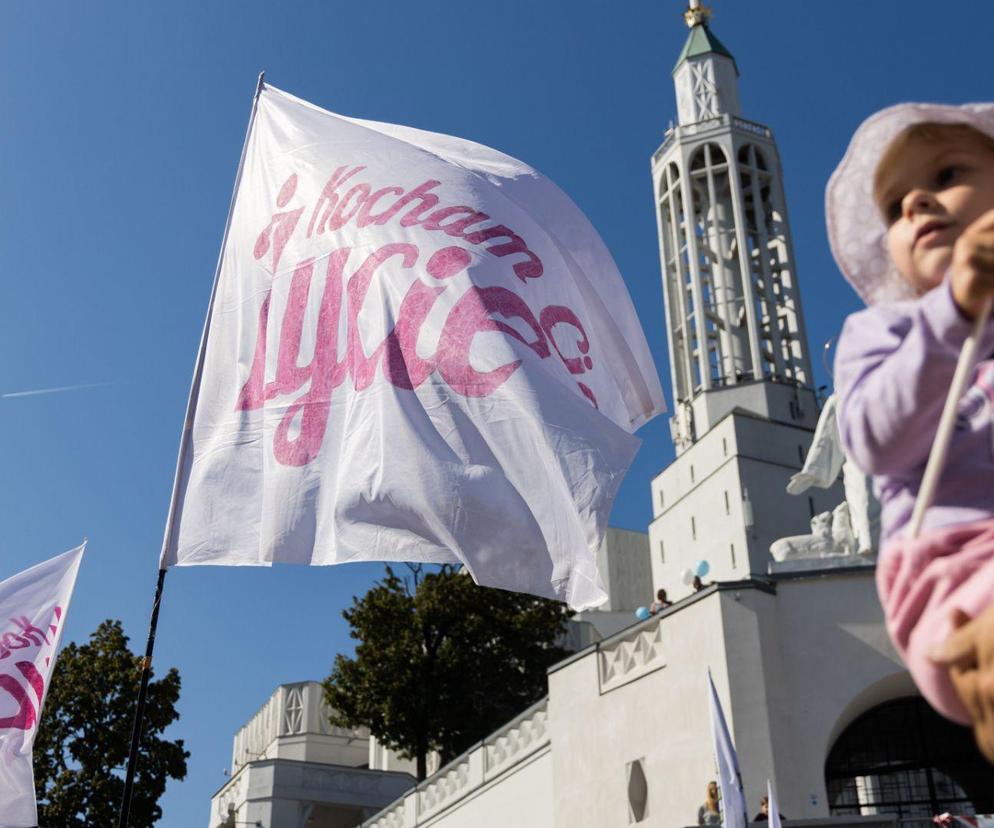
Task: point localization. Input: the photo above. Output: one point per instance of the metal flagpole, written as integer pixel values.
(146, 666)
(142, 695)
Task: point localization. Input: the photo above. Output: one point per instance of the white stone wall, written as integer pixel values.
(699, 508)
(837, 662)
(711, 70)
(382, 758)
(640, 696)
(505, 781)
(623, 561)
(280, 793)
(293, 724)
(792, 669)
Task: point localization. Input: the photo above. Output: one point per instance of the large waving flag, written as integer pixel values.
(418, 349)
(734, 813)
(33, 608)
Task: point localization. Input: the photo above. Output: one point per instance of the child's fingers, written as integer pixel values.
(966, 684)
(959, 649)
(981, 261)
(984, 647)
(983, 223)
(983, 724)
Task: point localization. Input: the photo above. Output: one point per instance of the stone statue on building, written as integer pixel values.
(853, 527)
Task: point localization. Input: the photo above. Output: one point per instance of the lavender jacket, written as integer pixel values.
(893, 367)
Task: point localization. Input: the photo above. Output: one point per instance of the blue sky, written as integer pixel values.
(121, 130)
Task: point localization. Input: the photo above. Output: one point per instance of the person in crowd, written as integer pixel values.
(764, 811)
(660, 603)
(710, 812)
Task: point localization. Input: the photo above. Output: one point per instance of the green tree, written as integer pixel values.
(82, 745)
(442, 662)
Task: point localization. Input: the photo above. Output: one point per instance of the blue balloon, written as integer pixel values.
(703, 568)
(642, 613)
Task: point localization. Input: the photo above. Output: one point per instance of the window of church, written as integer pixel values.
(728, 506)
(760, 158)
(724, 447)
(693, 528)
(811, 506)
(691, 472)
(662, 499)
(770, 269)
(902, 757)
(662, 553)
(724, 355)
(732, 548)
(800, 455)
(638, 792)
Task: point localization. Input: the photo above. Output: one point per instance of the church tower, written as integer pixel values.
(744, 402)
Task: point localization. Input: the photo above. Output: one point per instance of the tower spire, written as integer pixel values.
(734, 317)
(696, 14)
(744, 406)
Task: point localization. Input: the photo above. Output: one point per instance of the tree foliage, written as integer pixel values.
(81, 750)
(442, 662)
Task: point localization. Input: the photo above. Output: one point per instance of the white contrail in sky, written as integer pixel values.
(54, 390)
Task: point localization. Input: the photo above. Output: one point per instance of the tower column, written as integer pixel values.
(799, 340)
(742, 238)
(694, 256)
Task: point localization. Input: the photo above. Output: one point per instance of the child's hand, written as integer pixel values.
(969, 655)
(973, 266)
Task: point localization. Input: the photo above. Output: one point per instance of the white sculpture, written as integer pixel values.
(853, 527)
(831, 534)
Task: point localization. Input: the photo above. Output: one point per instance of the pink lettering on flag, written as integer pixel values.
(28, 636)
(25, 717)
(333, 211)
(281, 226)
(557, 314)
(473, 314)
(396, 354)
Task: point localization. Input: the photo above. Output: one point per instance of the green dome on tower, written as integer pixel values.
(701, 40)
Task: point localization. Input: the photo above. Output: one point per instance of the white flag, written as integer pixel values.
(33, 608)
(418, 349)
(734, 814)
(773, 805)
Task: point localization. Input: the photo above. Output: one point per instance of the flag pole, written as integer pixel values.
(146, 664)
(129, 780)
(944, 431)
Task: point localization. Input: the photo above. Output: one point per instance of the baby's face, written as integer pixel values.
(931, 194)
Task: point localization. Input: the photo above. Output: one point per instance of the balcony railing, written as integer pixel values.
(686, 130)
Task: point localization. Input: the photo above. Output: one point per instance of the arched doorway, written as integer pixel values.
(902, 757)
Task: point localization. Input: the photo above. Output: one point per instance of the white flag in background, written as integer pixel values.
(734, 814)
(33, 608)
(418, 349)
(773, 805)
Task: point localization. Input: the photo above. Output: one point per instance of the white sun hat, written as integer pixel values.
(856, 230)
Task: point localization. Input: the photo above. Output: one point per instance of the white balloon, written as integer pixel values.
(687, 576)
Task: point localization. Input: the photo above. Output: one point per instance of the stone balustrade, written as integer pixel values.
(519, 739)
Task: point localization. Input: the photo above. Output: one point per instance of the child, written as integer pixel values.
(911, 222)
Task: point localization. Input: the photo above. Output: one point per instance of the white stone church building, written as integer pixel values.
(815, 696)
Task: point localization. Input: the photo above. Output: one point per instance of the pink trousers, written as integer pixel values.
(920, 583)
